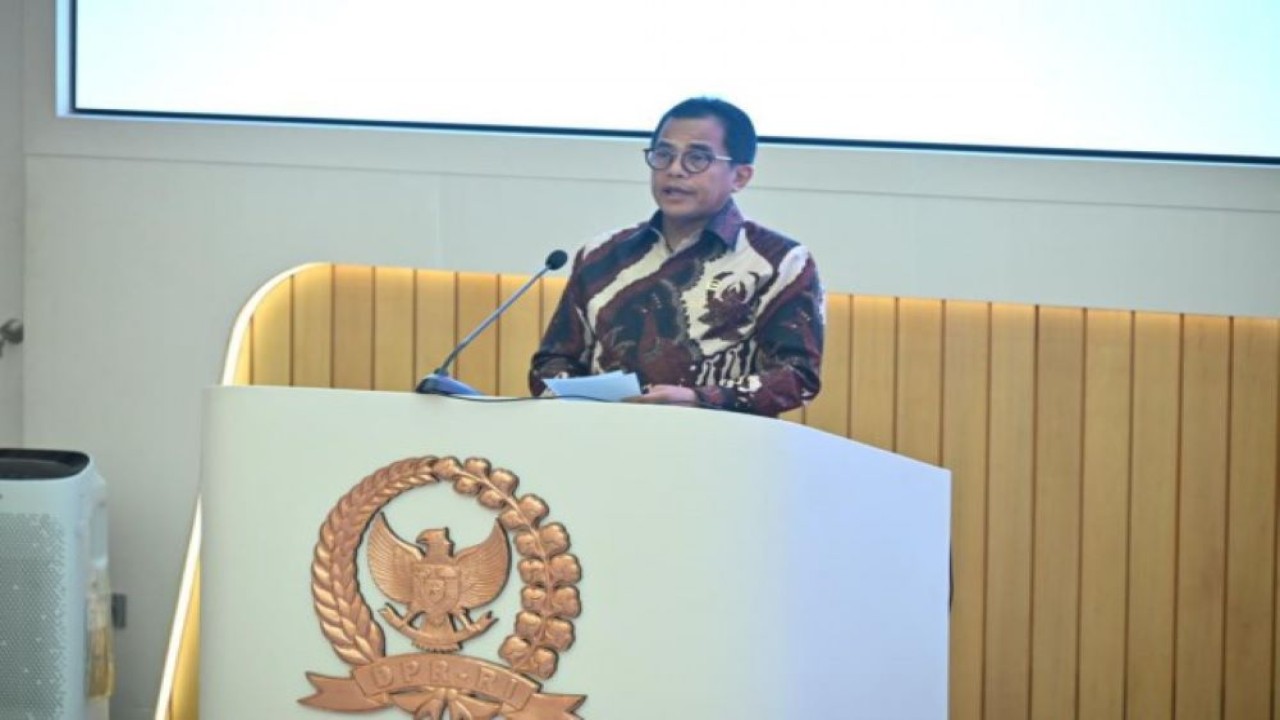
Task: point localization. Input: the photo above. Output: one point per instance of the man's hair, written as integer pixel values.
(739, 133)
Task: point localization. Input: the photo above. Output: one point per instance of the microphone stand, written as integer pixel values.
(439, 382)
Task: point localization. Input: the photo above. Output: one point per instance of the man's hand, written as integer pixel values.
(666, 395)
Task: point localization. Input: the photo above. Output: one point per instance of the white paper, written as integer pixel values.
(610, 386)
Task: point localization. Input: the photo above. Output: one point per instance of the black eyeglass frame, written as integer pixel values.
(684, 157)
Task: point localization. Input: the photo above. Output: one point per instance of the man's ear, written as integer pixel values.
(742, 175)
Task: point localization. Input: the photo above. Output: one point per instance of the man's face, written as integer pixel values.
(688, 200)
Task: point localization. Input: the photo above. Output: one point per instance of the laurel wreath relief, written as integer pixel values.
(549, 598)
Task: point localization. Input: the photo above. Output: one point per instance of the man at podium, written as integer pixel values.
(707, 307)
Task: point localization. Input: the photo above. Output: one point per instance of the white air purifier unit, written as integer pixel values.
(55, 600)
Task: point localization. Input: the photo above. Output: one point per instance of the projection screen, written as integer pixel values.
(1195, 80)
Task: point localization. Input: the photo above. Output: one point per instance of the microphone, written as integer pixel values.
(439, 382)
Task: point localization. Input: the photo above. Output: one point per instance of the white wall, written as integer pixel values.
(144, 238)
(11, 195)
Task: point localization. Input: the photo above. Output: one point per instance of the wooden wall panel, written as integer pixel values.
(435, 315)
(519, 331)
(830, 410)
(964, 452)
(1114, 475)
(798, 416)
(393, 328)
(272, 331)
(1153, 508)
(353, 327)
(1104, 511)
(874, 368)
(1251, 529)
(1202, 517)
(477, 366)
(1056, 556)
(184, 702)
(243, 372)
(1010, 509)
(918, 411)
(313, 327)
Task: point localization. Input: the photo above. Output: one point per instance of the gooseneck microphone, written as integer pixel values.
(439, 382)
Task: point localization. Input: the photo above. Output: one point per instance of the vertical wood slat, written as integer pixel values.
(184, 703)
(797, 416)
(1251, 542)
(1275, 614)
(272, 330)
(964, 452)
(1010, 508)
(918, 415)
(435, 313)
(830, 410)
(313, 327)
(1153, 506)
(243, 373)
(353, 327)
(519, 332)
(1056, 557)
(393, 328)
(874, 363)
(1202, 514)
(1104, 513)
(477, 366)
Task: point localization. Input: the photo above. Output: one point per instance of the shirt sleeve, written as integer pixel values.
(789, 355)
(565, 350)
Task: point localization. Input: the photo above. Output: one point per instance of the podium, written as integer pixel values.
(663, 562)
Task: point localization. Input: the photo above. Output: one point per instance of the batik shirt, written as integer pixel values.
(736, 315)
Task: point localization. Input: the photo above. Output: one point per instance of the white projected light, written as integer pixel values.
(1144, 76)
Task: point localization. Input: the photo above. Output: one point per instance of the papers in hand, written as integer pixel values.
(610, 386)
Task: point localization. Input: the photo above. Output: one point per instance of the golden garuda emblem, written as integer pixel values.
(438, 589)
(436, 585)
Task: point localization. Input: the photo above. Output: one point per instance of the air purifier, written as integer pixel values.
(55, 599)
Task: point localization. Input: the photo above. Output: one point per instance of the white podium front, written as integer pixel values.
(727, 566)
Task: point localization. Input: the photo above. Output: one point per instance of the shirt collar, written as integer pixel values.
(724, 225)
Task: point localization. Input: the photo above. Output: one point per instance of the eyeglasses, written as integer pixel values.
(693, 160)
